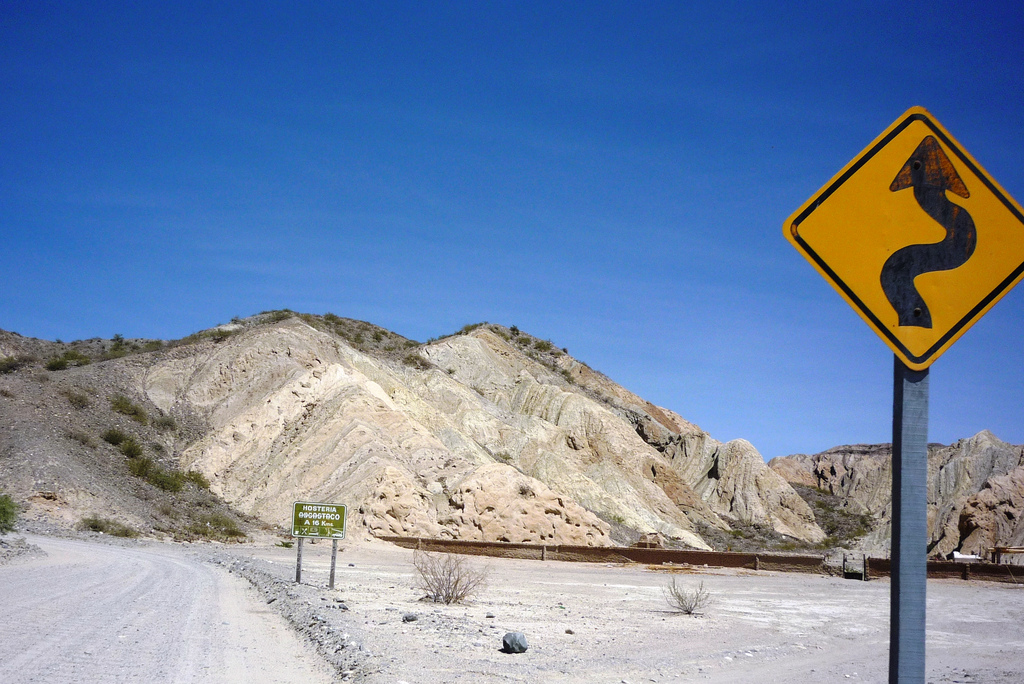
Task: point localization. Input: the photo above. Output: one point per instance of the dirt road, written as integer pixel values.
(91, 612)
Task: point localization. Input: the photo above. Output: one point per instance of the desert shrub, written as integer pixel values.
(285, 544)
(68, 358)
(141, 466)
(130, 448)
(153, 345)
(197, 479)
(167, 480)
(78, 400)
(97, 524)
(165, 423)
(82, 438)
(9, 364)
(123, 405)
(503, 456)
(8, 514)
(117, 349)
(216, 525)
(333, 319)
(113, 436)
(219, 334)
(447, 577)
(281, 315)
(169, 510)
(416, 361)
(542, 345)
(514, 330)
(686, 601)
(6, 393)
(76, 358)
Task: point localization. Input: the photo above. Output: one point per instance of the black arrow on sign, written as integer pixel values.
(931, 174)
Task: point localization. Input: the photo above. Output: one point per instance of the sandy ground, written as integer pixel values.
(89, 612)
(173, 613)
(761, 626)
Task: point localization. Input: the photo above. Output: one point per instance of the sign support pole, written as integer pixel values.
(907, 598)
(298, 563)
(334, 558)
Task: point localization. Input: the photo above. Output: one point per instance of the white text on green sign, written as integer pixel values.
(317, 520)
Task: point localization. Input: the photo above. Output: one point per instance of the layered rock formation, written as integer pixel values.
(975, 492)
(293, 409)
(488, 435)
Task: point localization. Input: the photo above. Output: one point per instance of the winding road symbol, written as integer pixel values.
(896, 233)
(930, 172)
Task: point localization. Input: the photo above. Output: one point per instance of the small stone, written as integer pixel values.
(351, 565)
(271, 599)
(514, 642)
(341, 606)
(569, 631)
(489, 615)
(410, 617)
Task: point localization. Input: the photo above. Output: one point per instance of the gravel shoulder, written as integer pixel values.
(610, 624)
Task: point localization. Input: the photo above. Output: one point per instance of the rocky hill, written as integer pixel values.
(488, 434)
(975, 490)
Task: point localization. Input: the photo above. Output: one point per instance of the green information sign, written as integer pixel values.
(318, 520)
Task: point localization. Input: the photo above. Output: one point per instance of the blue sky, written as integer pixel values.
(612, 176)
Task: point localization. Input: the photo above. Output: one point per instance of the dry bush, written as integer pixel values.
(107, 526)
(122, 404)
(447, 577)
(687, 601)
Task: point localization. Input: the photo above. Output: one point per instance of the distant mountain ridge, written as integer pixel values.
(975, 490)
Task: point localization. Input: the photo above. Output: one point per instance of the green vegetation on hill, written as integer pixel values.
(8, 514)
(835, 520)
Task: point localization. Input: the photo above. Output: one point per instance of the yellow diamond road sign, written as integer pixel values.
(915, 236)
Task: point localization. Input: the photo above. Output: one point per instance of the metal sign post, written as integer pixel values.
(334, 560)
(921, 242)
(907, 592)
